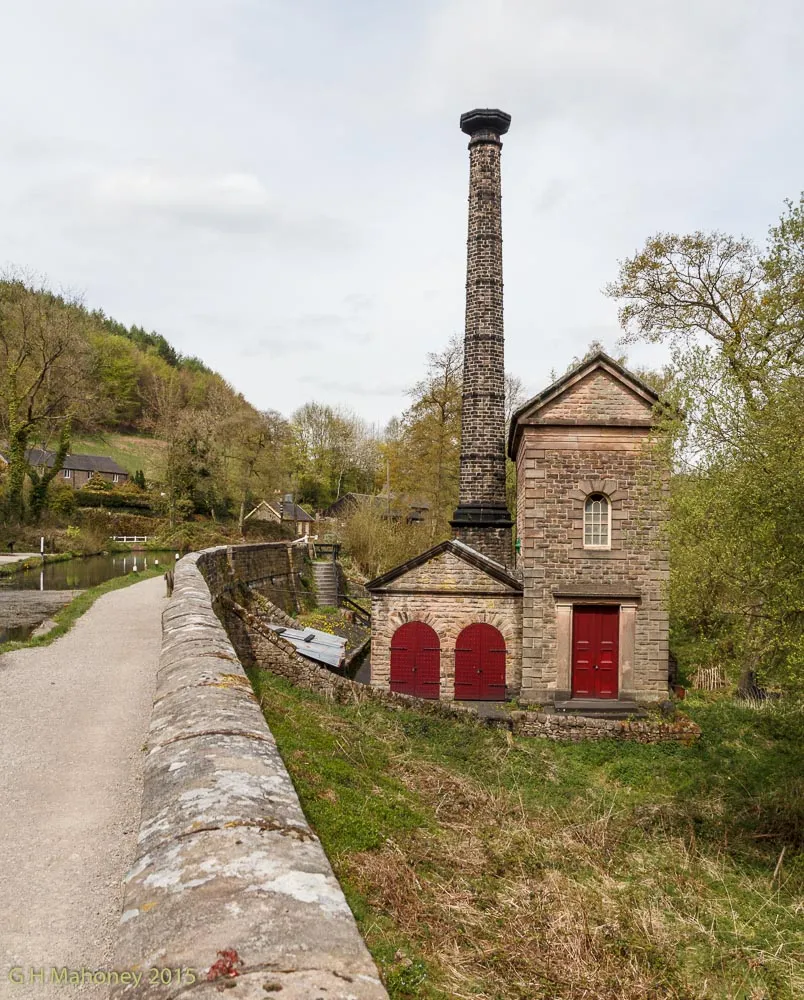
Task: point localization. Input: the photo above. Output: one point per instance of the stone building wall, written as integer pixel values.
(558, 467)
(595, 398)
(447, 594)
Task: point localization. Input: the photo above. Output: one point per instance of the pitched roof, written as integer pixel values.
(391, 504)
(293, 512)
(37, 457)
(462, 551)
(599, 361)
(290, 511)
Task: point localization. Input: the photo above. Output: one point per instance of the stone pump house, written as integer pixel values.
(573, 616)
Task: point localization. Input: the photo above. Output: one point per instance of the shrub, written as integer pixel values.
(377, 544)
(61, 499)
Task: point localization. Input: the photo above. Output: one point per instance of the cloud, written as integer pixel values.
(351, 386)
(308, 332)
(156, 161)
(596, 63)
(228, 203)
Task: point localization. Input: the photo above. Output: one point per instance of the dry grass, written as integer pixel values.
(501, 921)
(525, 878)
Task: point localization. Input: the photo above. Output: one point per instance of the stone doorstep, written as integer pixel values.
(600, 708)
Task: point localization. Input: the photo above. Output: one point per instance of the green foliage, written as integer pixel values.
(377, 543)
(331, 452)
(109, 497)
(61, 499)
(733, 317)
(423, 448)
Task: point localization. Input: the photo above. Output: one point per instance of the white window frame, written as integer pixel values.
(116, 477)
(67, 473)
(591, 498)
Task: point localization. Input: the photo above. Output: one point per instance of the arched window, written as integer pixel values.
(596, 522)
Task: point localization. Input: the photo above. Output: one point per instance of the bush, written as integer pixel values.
(61, 499)
(98, 485)
(377, 544)
(86, 497)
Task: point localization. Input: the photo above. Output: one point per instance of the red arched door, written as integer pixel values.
(416, 661)
(480, 664)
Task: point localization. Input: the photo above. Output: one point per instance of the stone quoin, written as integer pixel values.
(579, 622)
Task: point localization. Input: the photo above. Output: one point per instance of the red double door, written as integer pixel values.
(416, 661)
(595, 651)
(480, 664)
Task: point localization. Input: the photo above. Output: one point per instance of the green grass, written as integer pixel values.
(67, 616)
(129, 450)
(489, 866)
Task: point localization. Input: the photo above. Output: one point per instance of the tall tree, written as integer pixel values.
(426, 461)
(733, 317)
(334, 452)
(45, 379)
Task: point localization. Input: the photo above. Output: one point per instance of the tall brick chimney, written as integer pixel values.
(482, 519)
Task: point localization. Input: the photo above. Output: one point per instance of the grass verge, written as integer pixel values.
(481, 865)
(67, 616)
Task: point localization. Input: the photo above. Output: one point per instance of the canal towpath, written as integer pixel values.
(73, 724)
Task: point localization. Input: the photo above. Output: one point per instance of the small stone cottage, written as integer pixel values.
(576, 619)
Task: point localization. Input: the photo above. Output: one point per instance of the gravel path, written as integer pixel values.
(73, 720)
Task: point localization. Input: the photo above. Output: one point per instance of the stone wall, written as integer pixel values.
(574, 728)
(278, 656)
(274, 569)
(229, 876)
(557, 467)
(448, 594)
(595, 398)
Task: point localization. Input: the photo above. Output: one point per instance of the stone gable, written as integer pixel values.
(447, 572)
(596, 398)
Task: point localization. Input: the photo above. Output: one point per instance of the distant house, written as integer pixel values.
(76, 470)
(393, 507)
(282, 511)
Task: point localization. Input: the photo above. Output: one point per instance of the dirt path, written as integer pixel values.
(73, 721)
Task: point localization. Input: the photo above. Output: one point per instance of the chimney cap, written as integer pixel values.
(485, 120)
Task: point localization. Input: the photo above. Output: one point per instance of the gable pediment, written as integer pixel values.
(596, 398)
(447, 568)
(598, 393)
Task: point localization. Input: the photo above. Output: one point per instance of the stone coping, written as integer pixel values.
(229, 883)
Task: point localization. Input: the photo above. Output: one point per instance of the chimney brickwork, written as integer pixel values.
(482, 519)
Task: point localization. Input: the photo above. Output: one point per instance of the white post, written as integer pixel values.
(42, 546)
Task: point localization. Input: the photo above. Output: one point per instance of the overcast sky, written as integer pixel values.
(280, 187)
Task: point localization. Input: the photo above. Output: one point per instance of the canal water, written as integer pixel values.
(79, 574)
(21, 611)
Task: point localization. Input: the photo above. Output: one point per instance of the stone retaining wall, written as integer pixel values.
(230, 883)
(576, 727)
